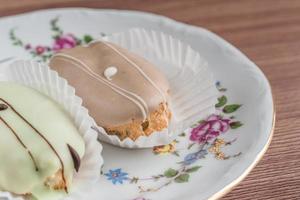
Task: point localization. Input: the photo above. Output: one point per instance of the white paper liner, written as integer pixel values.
(40, 77)
(192, 85)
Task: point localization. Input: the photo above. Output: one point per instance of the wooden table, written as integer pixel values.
(268, 31)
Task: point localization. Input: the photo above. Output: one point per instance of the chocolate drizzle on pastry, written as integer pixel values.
(36, 131)
(75, 157)
(20, 141)
(3, 107)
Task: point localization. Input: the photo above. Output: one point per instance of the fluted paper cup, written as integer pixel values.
(193, 93)
(41, 78)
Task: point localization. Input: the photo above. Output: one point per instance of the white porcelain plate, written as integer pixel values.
(205, 161)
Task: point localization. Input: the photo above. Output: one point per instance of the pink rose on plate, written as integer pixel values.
(209, 129)
(39, 50)
(64, 42)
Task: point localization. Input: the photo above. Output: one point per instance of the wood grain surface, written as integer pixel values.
(268, 32)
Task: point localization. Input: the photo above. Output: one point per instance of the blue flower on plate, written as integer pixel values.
(116, 176)
(193, 157)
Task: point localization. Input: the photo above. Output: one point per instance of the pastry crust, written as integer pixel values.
(157, 121)
(56, 181)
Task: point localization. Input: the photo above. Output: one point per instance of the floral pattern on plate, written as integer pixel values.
(60, 40)
(204, 138)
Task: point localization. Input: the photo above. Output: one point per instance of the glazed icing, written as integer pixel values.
(125, 93)
(138, 68)
(38, 132)
(20, 141)
(134, 91)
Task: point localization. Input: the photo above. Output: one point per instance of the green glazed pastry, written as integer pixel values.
(40, 147)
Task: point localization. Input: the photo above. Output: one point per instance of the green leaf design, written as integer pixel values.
(193, 169)
(222, 89)
(176, 153)
(170, 173)
(231, 108)
(55, 28)
(201, 121)
(16, 41)
(134, 180)
(182, 134)
(194, 125)
(87, 39)
(191, 145)
(235, 125)
(221, 101)
(182, 178)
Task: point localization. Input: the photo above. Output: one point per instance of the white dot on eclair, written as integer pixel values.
(109, 72)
